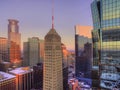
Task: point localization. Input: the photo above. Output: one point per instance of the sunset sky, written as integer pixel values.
(35, 17)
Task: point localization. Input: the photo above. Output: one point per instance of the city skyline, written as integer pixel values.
(36, 16)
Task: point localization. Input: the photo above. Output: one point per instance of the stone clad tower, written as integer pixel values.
(53, 79)
(52, 65)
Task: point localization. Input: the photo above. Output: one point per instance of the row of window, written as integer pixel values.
(110, 1)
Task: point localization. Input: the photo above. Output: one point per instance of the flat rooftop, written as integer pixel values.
(5, 76)
(5, 62)
(21, 70)
(110, 76)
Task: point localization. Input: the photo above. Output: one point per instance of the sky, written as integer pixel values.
(34, 17)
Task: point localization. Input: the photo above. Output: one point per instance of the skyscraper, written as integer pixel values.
(64, 55)
(83, 51)
(106, 42)
(65, 77)
(53, 76)
(41, 51)
(14, 41)
(88, 54)
(38, 76)
(4, 49)
(52, 65)
(65, 66)
(31, 52)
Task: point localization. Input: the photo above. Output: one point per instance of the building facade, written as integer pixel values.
(24, 78)
(7, 81)
(4, 66)
(65, 78)
(106, 21)
(83, 51)
(31, 50)
(14, 42)
(4, 49)
(41, 51)
(52, 65)
(38, 76)
(64, 55)
(74, 84)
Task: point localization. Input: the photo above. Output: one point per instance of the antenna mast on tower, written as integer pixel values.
(52, 14)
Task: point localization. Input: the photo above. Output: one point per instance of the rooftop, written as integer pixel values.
(95, 67)
(13, 20)
(110, 76)
(5, 62)
(21, 70)
(5, 76)
(52, 35)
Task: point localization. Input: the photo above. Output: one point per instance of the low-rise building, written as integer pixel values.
(24, 78)
(7, 81)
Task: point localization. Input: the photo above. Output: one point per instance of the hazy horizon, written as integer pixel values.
(35, 18)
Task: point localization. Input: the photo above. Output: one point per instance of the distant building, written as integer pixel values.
(33, 51)
(65, 66)
(71, 58)
(64, 55)
(4, 49)
(83, 51)
(38, 76)
(41, 51)
(65, 78)
(24, 78)
(74, 84)
(7, 81)
(14, 42)
(4, 66)
(89, 56)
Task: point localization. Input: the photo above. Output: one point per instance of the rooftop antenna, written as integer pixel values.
(52, 14)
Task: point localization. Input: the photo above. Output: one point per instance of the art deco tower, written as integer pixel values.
(53, 79)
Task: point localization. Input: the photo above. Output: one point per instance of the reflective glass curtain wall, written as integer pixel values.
(109, 66)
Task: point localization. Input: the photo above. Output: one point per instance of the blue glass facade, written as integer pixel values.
(108, 17)
(83, 50)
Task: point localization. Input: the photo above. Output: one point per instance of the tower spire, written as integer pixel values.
(52, 14)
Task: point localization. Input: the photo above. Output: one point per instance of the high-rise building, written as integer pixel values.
(71, 58)
(106, 42)
(24, 78)
(4, 49)
(25, 54)
(41, 51)
(65, 66)
(52, 65)
(88, 55)
(14, 42)
(7, 81)
(53, 75)
(64, 55)
(4, 66)
(83, 51)
(33, 51)
(65, 78)
(38, 76)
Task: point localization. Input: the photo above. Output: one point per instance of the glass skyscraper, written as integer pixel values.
(106, 42)
(83, 51)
